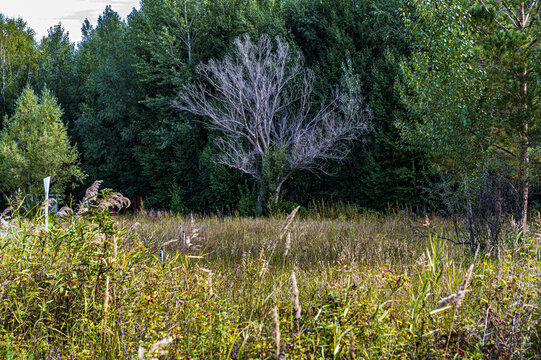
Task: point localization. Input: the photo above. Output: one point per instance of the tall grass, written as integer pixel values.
(94, 286)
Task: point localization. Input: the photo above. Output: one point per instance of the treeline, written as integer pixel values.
(117, 86)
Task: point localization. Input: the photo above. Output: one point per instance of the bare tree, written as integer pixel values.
(260, 98)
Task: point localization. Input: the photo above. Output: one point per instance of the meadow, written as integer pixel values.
(349, 285)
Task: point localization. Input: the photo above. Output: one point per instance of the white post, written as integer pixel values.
(46, 184)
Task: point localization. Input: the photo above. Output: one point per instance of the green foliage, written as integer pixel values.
(275, 166)
(117, 89)
(89, 286)
(471, 85)
(444, 87)
(247, 203)
(17, 61)
(380, 169)
(166, 39)
(222, 183)
(226, 20)
(109, 106)
(34, 144)
(176, 195)
(56, 70)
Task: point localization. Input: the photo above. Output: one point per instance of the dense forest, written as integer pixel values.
(441, 136)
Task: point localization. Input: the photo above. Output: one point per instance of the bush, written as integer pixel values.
(284, 208)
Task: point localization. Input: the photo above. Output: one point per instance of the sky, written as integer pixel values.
(40, 15)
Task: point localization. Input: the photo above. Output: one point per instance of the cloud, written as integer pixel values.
(79, 15)
(123, 7)
(41, 15)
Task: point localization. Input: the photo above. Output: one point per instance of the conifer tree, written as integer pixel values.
(34, 144)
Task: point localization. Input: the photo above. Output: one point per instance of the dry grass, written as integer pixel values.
(374, 239)
(363, 288)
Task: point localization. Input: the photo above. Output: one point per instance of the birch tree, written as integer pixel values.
(474, 83)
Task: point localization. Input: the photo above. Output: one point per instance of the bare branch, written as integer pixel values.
(512, 16)
(259, 97)
(505, 150)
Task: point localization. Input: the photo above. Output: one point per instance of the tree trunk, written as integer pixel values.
(525, 143)
(261, 197)
(498, 201)
(470, 216)
(188, 35)
(277, 192)
(525, 159)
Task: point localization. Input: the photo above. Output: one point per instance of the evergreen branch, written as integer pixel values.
(497, 22)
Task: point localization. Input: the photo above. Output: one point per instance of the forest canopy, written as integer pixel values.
(444, 118)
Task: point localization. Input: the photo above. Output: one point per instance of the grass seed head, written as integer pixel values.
(296, 302)
(288, 222)
(276, 331)
(287, 245)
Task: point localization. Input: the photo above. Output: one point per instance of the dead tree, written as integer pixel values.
(260, 99)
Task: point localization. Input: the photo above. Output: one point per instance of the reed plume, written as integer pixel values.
(116, 200)
(156, 350)
(49, 202)
(169, 243)
(64, 211)
(5, 213)
(464, 286)
(159, 348)
(91, 194)
(141, 353)
(192, 239)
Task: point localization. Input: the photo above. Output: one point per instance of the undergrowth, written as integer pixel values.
(96, 286)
